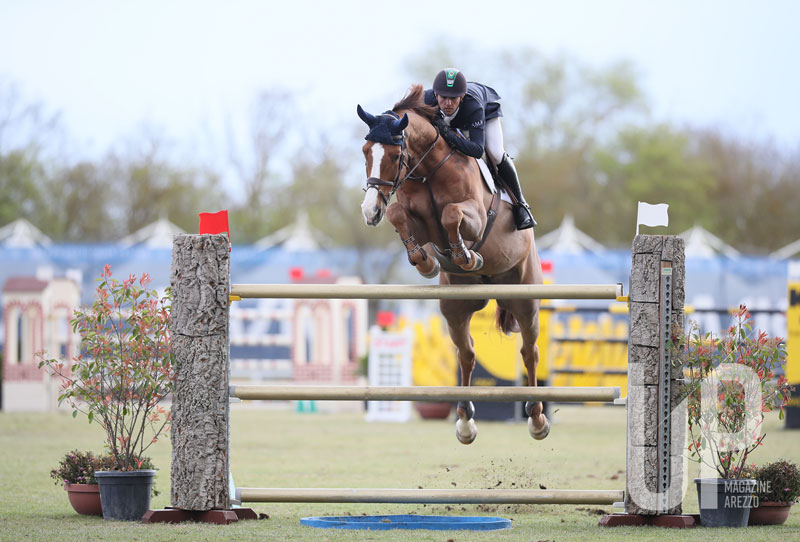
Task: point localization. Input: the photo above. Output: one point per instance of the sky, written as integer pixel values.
(190, 69)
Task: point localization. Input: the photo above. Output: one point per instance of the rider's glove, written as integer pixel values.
(450, 136)
(441, 125)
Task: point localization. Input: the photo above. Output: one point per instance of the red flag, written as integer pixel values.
(215, 223)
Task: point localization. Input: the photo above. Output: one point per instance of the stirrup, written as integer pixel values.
(523, 219)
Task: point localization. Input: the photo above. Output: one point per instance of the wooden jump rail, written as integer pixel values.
(432, 496)
(410, 291)
(426, 393)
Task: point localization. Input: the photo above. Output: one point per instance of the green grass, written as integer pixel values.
(277, 448)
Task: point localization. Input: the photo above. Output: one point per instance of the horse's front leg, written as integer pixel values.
(457, 218)
(426, 265)
(458, 314)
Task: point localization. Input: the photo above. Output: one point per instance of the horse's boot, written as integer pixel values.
(521, 211)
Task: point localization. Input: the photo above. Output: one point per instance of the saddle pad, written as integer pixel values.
(487, 178)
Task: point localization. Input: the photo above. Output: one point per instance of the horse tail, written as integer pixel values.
(506, 321)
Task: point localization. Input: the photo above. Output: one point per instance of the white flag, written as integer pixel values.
(652, 215)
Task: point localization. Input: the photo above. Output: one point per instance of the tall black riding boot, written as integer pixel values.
(522, 212)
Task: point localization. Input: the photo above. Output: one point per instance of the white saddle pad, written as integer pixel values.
(487, 178)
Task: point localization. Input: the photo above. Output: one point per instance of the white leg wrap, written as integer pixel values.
(541, 433)
(466, 431)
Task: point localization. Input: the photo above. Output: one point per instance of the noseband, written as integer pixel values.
(404, 161)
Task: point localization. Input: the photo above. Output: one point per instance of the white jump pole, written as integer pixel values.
(411, 291)
(426, 393)
(432, 496)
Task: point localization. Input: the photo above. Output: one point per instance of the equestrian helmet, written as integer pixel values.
(450, 83)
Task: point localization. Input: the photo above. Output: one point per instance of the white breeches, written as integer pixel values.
(495, 149)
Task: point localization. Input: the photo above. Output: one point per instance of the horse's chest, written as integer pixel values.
(423, 206)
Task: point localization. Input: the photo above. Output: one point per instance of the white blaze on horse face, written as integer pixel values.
(377, 158)
(371, 206)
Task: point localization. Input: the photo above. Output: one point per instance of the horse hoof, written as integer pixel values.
(539, 434)
(477, 262)
(434, 272)
(466, 431)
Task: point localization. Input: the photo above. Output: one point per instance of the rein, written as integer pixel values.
(405, 158)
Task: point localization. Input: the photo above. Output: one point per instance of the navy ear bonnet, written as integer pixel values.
(386, 129)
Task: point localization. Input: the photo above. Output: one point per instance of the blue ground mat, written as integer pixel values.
(436, 523)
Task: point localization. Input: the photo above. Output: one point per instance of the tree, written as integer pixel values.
(756, 192)
(656, 165)
(25, 132)
(78, 208)
(147, 186)
(273, 113)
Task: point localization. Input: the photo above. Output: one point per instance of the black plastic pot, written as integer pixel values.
(125, 495)
(724, 503)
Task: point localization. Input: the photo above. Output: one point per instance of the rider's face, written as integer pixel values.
(449, 105)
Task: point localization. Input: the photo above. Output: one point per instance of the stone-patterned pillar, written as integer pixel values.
(199, 329)
(652, 253)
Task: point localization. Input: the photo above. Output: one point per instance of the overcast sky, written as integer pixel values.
(186, 66)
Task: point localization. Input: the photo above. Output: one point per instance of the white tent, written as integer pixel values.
(703, 244)
(790, 250)
(568, 239)
(22, 234)
(156, 235)
(296, 237)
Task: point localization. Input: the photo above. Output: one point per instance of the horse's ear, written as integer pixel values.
(401, 123)
(366, 117)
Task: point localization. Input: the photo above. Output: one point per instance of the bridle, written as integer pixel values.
(405, 162)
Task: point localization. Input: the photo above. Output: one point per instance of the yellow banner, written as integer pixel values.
(793, 335)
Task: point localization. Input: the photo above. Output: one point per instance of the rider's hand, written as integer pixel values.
(450, 136)
(441, 126)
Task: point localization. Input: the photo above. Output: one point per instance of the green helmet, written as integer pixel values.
(450, 83)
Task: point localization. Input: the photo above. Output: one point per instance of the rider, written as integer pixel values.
(473, 108)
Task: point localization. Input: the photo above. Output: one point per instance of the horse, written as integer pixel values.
(443, 204)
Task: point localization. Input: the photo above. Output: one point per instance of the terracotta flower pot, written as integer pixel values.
(433, 411)
(85, 498)
(769, 513)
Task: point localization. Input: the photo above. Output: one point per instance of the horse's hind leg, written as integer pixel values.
(538, 424)
(527, 314)
(458, 314)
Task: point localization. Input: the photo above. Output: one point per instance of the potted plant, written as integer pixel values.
(777, 488)
(75, 472)
(124, 371)
(729, 383)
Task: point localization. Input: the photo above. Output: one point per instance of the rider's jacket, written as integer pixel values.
(478, 106)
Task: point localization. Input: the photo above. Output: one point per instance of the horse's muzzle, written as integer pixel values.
(371, 207)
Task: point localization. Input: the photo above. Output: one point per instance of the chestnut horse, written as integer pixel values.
(443, 204)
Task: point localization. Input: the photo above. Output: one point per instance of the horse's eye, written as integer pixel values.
(396, 158)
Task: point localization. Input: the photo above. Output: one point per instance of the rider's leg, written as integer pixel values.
(508, 173)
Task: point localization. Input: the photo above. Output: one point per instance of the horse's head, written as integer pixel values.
(383, 155)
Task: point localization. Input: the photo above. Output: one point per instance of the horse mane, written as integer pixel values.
(414, 101)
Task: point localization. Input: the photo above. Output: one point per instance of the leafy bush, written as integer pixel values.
(723, 427)
(778, 482)
(78, 467)
(125, 368)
